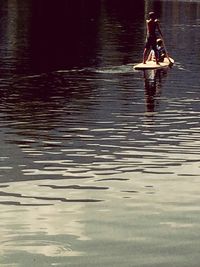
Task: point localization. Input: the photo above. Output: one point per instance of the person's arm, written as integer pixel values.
(147, 28)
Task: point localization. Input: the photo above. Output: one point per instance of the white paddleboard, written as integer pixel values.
(153, 65)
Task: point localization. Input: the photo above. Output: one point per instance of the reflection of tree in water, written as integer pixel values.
(153, 83)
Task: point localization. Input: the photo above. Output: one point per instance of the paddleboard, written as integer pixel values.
(153, 65)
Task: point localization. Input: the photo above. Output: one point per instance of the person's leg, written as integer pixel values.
(151, 56)
(145, 55)
(155, 50)
(146, 49)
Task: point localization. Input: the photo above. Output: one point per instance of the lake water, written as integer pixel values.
(99, 163)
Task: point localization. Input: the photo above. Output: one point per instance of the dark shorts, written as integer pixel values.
(151, 42)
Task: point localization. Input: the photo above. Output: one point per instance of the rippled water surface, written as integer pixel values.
(99, 163)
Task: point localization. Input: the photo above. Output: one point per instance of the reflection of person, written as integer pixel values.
(152, 26)
(152, 81)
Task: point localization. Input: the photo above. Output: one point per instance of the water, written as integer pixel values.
(99, 163)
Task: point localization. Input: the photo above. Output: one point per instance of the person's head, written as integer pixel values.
(159, 42)
(152, 15)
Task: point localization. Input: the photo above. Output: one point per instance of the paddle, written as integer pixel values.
(170, 62)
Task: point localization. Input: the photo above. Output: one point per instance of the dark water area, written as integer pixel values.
(99, 163)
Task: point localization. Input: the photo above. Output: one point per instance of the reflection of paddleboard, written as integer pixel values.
(153, 65)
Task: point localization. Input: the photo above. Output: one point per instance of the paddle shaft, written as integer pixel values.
(166, 50)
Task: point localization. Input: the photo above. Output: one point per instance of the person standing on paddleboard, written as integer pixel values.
(152, 26)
